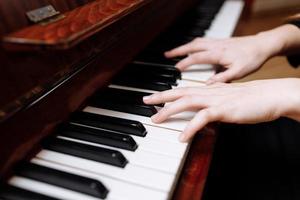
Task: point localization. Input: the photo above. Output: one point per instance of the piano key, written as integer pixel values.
(163, 134)
(128, 97)
(14, 193)
(229, 15)
(148, 74)
(152, 132)
(62, 179)
(121, 190)
(147, 144)
(47, 189)
(166, 70)
(125, 101)
(146, 84)
(103, 155)
(157, 146)
(110, 123)
(171, 123)
(105, 137)
(187, 115)
(120, 95)
(142, 158)
(143, 110)
(156, 142)
(151, 179)
(180, 83)
(121, 87)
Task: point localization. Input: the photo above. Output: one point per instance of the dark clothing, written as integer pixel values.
(256, 162)
(294, 60)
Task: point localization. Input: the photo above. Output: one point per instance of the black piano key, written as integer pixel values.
(111, 123)
(89, 152)
(9, 192)
(170, 72)
(152, 60)
(151, 77)
(148, 73)
(125, 96)
(123, 101)
(98, 136)
(63, 179)
(139, 82)
(143, 110)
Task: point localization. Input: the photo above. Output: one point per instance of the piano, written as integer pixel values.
(73, 74)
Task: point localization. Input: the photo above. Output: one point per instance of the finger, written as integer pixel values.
(186, 49)
(163, 97)
(230, 74)
(202, 118)
(205, 57)
(185, 103)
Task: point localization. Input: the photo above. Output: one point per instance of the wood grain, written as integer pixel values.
(76, 25)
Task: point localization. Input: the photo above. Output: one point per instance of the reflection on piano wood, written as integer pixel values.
(72, 140)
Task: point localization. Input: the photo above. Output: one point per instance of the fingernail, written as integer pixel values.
(182, 137)
(146, 98)
(178, 67)
(209, 82)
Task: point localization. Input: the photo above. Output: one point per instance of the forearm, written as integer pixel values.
(282, 40)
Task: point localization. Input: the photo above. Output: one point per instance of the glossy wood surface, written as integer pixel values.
(73, 27)
(193, 177)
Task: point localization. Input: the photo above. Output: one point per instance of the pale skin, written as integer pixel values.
(247, 103)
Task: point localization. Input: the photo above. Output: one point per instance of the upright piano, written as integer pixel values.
(73, 74)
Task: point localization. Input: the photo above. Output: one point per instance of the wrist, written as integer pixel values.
(281, 40)
(290, 101)
(271, 43)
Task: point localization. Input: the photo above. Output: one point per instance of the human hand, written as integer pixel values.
(240, 55)
(250, 102)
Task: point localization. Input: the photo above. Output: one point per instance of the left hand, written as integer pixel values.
(250, 102)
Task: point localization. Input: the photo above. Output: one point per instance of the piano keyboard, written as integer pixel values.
(111, 149)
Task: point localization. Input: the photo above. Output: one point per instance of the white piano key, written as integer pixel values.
(163, 134)
(160, 147)
(229, 15)
(188, 83)
(171, 123)
(197, 73)
(151, 179)
(131, 88)
(120, 190)
(143, 158)
(47, 189)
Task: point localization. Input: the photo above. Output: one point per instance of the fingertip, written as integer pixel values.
(146, 99)
(155, 118)
(180, 67)
(167, 54)
(210, 81)
(182, 138)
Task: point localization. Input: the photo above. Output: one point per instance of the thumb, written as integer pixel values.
(228, 75)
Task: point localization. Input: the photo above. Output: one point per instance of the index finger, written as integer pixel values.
(186, 49)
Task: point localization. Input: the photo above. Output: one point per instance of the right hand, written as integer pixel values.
(240, 55)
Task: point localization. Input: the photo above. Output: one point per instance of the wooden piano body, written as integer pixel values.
(44, 79)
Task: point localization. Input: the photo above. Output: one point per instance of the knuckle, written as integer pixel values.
(197, 39)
